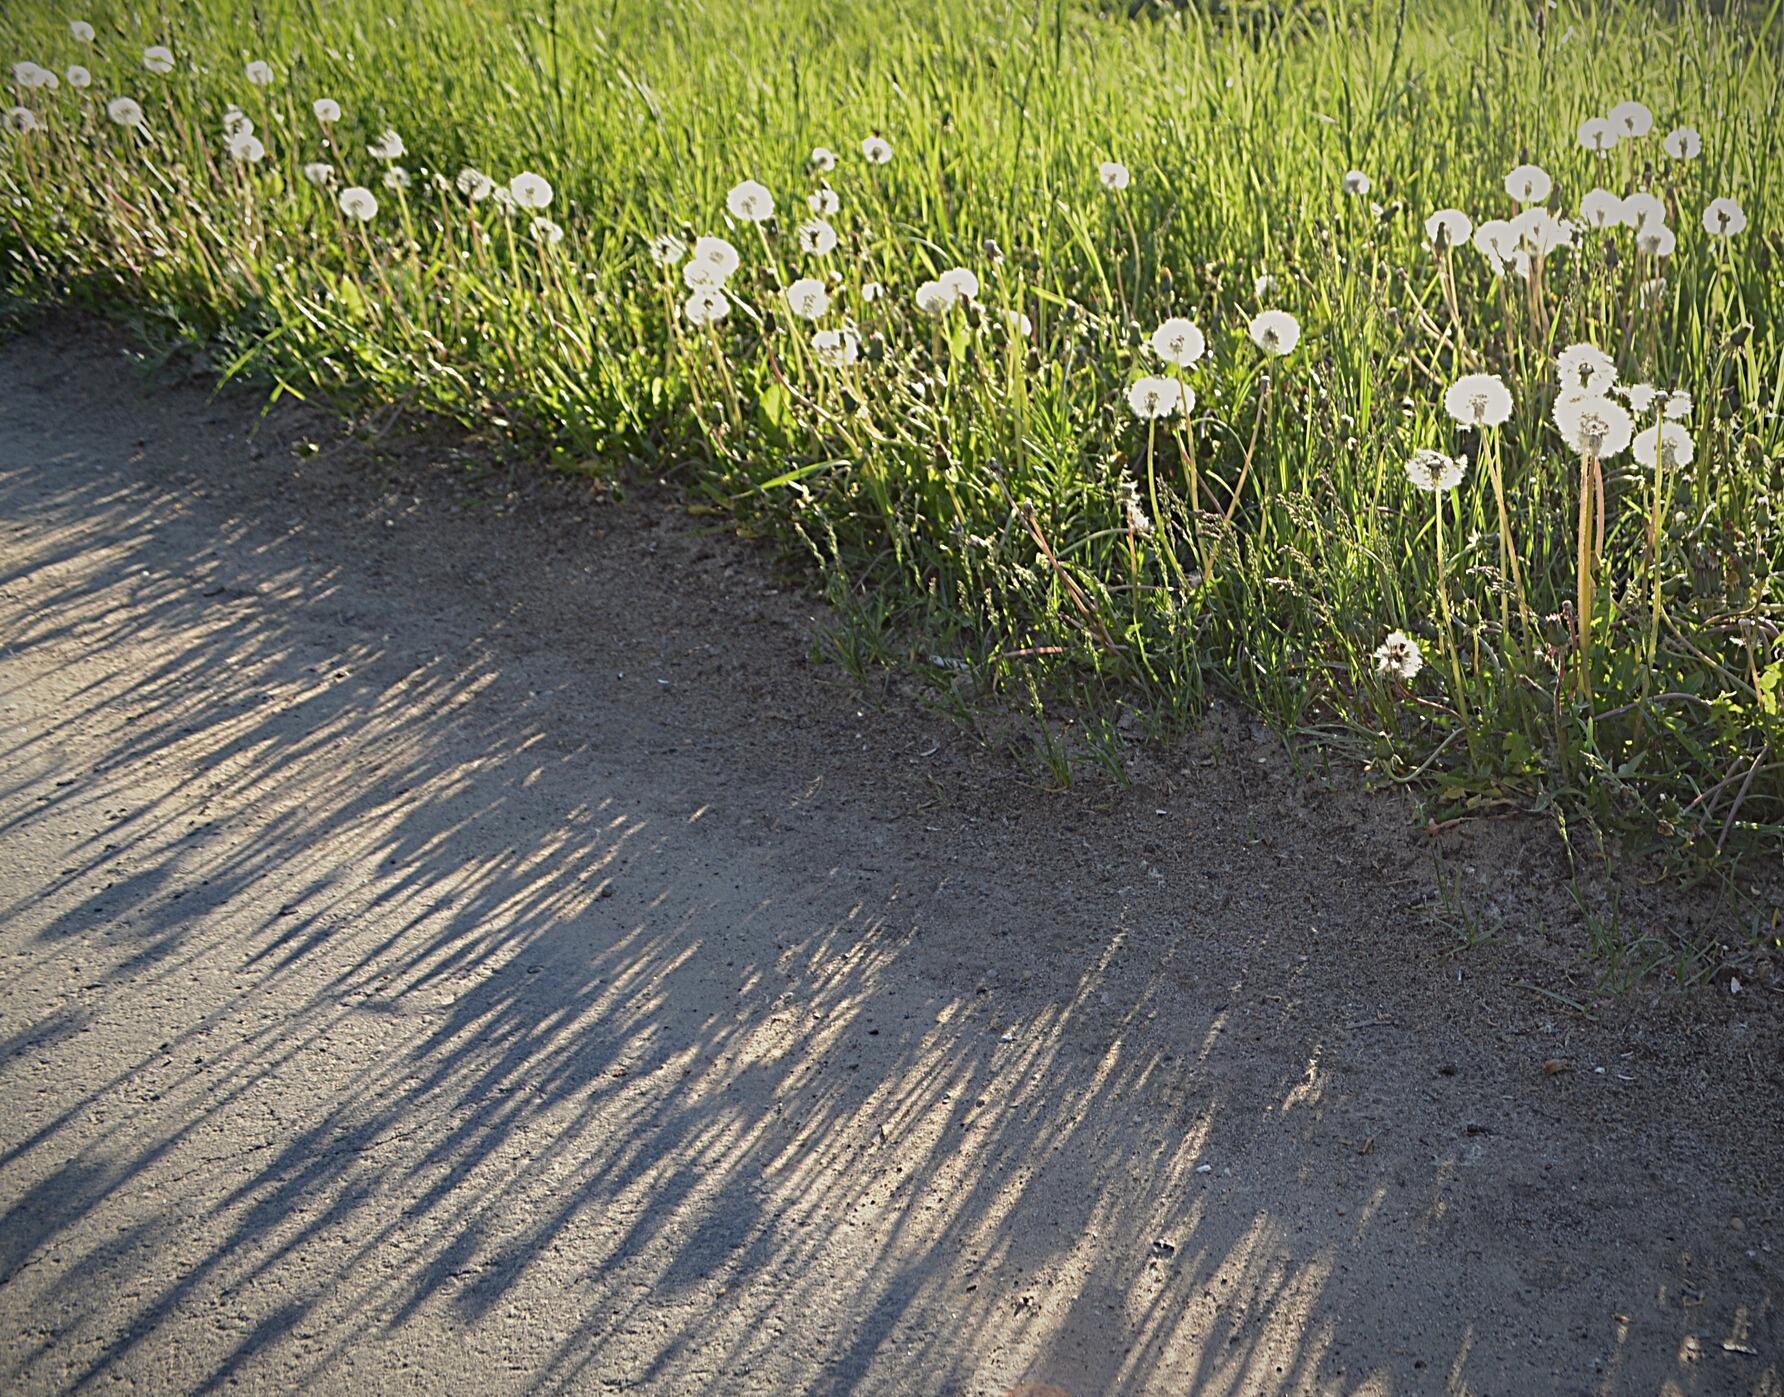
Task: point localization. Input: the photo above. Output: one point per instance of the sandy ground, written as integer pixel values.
(455, 939)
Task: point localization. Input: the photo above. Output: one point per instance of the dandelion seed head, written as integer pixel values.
(836, 349)
(1496, 241)
(1682, 143)
(1601, 209)
(1593, 424)
(1356, 183)
(666, 249)
(388, 146)
(715, 258)
(1263, 286)
(259, 72)
(962, 282)
(936, 298)
(750, 202)
(1018, 324)
(1179, 342)
(871, 291)
(1632, 120)
(125, 111)
(158, 58)
(546, 232)
(706, 305)
(327, 110)
(1540, 232)
(1666, 442)
(1478, 400)
(81, 31)
(808, 299)
(359, 203)
(22, 121)
(1448, 228)
(1723, 218)
(474, 184)
(1151, 398)
(78, 76)
(1274, 331)
(1653, 290)
(1398, 657)
(823, 159)
(1640, 397)
(1598, 134)
(1643, 207)
(822, 201)
(1655, 240)
(320, 173)
(1678, 405)
(1113, 175)
(1434, 471)
(396, 178)
(245, 148)
(876, 150)
(530, 191)
(236, 123)
(29, 75)
(816, 237)
(1529, 184)
(1585, 368)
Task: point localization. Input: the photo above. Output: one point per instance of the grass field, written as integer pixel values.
(933, 371)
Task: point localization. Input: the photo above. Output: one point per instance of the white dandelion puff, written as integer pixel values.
(1642, 207)
(1113, 175)
(935, 298)
(396, 179)
(81, 31)
(1478, 400)
(1263, 286)
(388, 146)
(125, 111)
(1179, 342)
(1640, 397)
(822, 201)
(871, 291)
(712, 264)
(962, 282)
(1448, 228)
(1597, 134)
(236, 123)
(1655, 240)
(327, 110)
(245, 148)
(260, 73)
(530, 191)
(1540, 232)
(1682, 143)
(1529, 184)
(31, 75)
(1723, 218)
(808, 299)
(1018, 324)
(1667, 442)
(750, 202)
(876, 150)
(1592, 424)
(545, 231)
(1274, 331)
(1585, 368)
(1496, 241)
(22, 121)
(1632, 120)
(320, 173)
(1434, 471)
(816, 237)
(1356, 183)
(823, 159)
(836, 349)
(359, 203)
(1601, 209)
(1398, 657)
(79, 76)
(474, 184)
(158, 58)
(1153, 397)
(666, 249)
(706, 305)
(1678, 405)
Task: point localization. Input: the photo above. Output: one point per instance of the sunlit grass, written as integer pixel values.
(969, 469)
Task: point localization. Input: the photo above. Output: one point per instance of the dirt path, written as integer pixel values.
(455, 941)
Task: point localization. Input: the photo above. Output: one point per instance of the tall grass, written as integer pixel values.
(985, 495)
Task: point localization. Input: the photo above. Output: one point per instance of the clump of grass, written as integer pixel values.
(907, 286)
